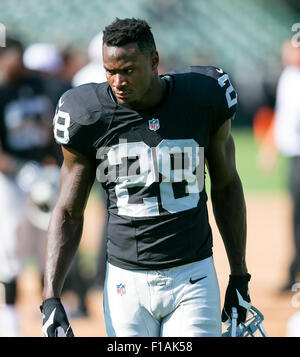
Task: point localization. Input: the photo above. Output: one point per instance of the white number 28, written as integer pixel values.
(159, 157)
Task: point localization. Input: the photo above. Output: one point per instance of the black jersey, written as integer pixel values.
(151, 164)
(25, 119)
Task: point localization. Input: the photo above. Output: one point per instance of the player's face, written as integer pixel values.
(130, 73)
(11, 63)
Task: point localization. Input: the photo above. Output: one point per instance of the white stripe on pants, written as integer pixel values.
(163, 303)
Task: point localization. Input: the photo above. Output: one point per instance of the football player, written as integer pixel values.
(147, 137)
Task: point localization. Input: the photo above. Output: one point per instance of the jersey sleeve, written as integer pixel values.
(71, 123)
(213, 90)
(226, 98)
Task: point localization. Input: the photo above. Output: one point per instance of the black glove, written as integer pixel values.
(54, 316)
(237, 295)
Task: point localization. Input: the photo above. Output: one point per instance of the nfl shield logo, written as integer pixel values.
(121, 289)
(154, 124)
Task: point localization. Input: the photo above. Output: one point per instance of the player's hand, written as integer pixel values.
(54, 316)
(237, 295)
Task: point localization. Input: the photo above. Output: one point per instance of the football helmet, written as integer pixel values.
(252, 327)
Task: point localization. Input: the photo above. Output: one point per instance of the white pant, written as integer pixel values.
(163, 303)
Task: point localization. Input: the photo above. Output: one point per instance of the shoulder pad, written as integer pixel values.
(76, 112)
(209, 86)
(221, 91)
(82, 104)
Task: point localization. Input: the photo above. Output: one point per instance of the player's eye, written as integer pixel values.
(109, 71)
(129, 70)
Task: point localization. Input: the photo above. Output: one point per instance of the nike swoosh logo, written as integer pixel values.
(220, 70)
(48, 323)
(60, 103)
(193, 281)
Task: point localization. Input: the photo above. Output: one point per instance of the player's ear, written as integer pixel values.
(154, 60)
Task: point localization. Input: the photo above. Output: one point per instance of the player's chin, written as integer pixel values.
(122, 101)
(126, 100)
(123, 96)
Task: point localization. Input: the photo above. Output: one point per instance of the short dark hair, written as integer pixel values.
(124, 31)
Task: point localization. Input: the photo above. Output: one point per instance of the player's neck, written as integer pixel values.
(151, 99)
(154, 96)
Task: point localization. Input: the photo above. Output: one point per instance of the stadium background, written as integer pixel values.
(244, 37)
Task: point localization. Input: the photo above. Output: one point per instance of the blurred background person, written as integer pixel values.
(57, 70)
(61, 70)
(32, 80)
(280, 133)
(46, 61)
(25, 142)
(73, 60)
(287, 139)
(93, 71)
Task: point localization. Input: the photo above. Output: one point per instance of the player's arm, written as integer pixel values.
(230, 213)
(65, 230)
(228, 198)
